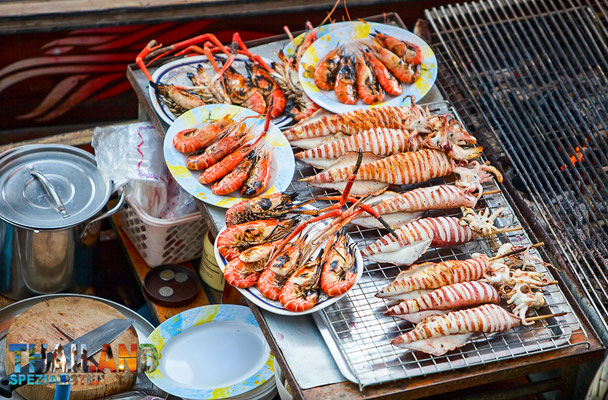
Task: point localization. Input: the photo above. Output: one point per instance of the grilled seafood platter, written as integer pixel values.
(223, 153)
(367, 64)
(287, 257)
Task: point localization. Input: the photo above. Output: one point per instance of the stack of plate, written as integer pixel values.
(213, 352)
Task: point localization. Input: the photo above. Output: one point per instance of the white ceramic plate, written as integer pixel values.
(290, 47)
(361, 30)
(253, 294)
(211, 352)
(175, 73)
(282, 155)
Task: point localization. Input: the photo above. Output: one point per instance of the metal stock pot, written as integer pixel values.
(51, 197)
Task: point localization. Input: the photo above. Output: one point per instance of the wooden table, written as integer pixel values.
(566, 359)
(140, 268)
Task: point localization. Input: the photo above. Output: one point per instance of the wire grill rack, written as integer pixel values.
(359, 335)
(530, 75)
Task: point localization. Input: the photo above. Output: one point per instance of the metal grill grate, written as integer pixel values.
(530, 77)
(361, 334)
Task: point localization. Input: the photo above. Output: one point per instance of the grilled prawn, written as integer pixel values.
(273, 95)
(301, 292)
(259, 176)
(262, 207)
(439, 334)
(346, 80)
(237, 238)
(275, 276)
(408, 52)
(368, 87)
(327, 69)
(338, 261)
(193, 139)
(445, 299)
(177, 99)
(388, 82)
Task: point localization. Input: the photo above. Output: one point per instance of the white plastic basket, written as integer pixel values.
(163, 241)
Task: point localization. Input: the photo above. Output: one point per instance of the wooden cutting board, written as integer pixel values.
(75, 317)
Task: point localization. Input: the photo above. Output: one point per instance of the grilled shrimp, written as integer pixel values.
(272, 93)
(237, 238)
(345, 86)
(178, 99)
(388, 82)
(368, 87)
(242, 275)
(262, 207)
(242, 92)
(227, 144)
(339, 273)
(301, 292)
(408, 52)
(327, 69)
(287, 79)
(273, 278)
(406, 73)
(211, 90)
(236, 178)
(193, 139)
(259, 176)
(226, 165)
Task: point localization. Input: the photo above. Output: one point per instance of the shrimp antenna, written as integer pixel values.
(330, 13)
(346, 9)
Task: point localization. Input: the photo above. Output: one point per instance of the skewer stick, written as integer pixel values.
(513, 252)
(488, 192)
(547, 316)
(509, 230)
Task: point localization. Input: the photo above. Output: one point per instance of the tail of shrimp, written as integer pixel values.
(239, 274)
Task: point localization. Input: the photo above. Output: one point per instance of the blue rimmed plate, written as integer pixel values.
(282, 155)
(357, 30)
(211, 352)
(176, 73)
(253, 294)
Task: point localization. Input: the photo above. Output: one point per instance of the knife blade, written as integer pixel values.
(104, 334)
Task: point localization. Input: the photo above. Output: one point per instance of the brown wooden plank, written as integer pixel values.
(435, 384)
(140, 268)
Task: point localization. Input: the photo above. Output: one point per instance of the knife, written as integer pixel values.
(105, 334)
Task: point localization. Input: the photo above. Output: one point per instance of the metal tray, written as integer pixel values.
(358, 334)
(142, 386)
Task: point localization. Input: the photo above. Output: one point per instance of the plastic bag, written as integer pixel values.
(133, 154)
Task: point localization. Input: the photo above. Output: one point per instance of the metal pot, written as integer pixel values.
(51, 197)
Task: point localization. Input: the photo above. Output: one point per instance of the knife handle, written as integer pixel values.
(6, 388)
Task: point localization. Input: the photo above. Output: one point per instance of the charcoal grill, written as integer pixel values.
(529, 78)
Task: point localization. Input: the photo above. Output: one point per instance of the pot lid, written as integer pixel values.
(50, 187)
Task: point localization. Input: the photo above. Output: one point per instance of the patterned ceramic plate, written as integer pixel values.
(175, 72)
(253, 294)
(355, 31)
(290, 47)
(211, 352)
(282, 155)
